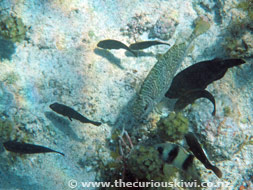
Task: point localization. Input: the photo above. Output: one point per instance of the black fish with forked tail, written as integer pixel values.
(71, 113)
(200, 75)
(191, 96)
(146, 44)
(25, 148)
(114, 44)
(199, 153)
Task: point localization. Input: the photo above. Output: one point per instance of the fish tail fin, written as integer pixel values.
(134, 53)
(227, 63)
(216, 170)
(85, 120)
(60, 153)
(96, 123)
(201, 26)
(214, 111)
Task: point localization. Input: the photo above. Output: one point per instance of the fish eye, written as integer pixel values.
(160, 150)
(146, 107)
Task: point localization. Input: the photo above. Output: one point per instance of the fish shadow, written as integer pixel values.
(1, 147)
(12, 181)
(7, 49)
(139, 54)
(63, 125)
(109, 56)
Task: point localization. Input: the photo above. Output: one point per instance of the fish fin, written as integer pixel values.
(96, 123)
(165, 103)
(201, 26)
(193, 143)
(216, 59)
(134, 53)
(60, 153)
(214, 111)
(132, 46)
(191, 96)
(146, 44)
(217, 171)
(70, 118)
(228, 63)
(210, 97)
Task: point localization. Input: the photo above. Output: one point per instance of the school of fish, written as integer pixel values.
(187, 86)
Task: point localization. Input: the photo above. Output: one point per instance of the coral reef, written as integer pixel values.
(10, 78)
(246, 6)
(238, 37)
(6, 98)
(144, 162)
(238, 41)
(164, 27)
(227, 111)
(6, 129)
(12, 28)
(209, 7)
(14, 129)
(137, 26)
(173, 127)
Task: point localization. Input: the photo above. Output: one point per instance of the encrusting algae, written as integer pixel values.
(173, 127)
(246, 6)
(144, 162)
(12, 28)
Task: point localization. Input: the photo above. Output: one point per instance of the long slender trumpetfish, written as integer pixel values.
(160, 76)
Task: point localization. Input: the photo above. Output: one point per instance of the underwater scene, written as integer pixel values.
(126, 94)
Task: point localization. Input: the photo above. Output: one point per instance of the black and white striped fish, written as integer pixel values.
(176, 155)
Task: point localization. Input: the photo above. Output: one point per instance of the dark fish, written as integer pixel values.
(190, 97)
(159, 78)
(176, 155)
(199, 75)
(114, 44)
(145, 44)
(25, 148)
(71, 113)
(199, 153)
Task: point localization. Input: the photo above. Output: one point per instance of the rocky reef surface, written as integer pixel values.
(49, 53)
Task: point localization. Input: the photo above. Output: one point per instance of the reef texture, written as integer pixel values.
(12, 28)
(173, 127)
(48, 53)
